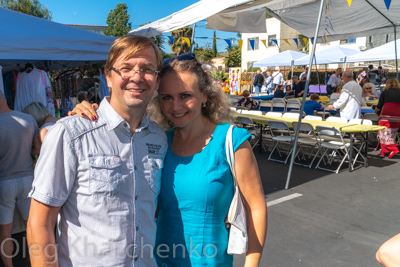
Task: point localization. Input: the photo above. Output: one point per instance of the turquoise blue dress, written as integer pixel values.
(195, 195)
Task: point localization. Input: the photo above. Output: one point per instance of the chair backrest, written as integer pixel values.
(279, 102)
(295, 101)
(355, 121)
(336, 119)
(274, 114)
(327, 130)
(245, 111)
(265, 104)
(244, 121)
(291, 115)
(367, 122)
(233, 109)
(253, 112)
(278, 125)
(304, 126)
(313, 118)
(371, 116)
(239, 111)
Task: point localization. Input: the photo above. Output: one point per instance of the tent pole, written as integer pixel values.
(192, 41)
(291, 77)
(305, 94)
(326, 72)
(395, 53)
(316, 70)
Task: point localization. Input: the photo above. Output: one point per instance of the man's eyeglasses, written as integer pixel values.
(127, 72)
(183, 57)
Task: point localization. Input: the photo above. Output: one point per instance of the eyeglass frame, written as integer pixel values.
(140, 71)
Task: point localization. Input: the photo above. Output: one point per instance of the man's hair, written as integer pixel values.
(370, 67)
(258, 71)
(280, 87)
(306, 68)
(314, 97)
(246, 93)
(39, 111)
(295, 77)
(348, 74)
(380, 67)
(338, 69)
(128, 46)
(365, 68)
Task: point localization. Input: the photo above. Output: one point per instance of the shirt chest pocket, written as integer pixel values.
(153, 173)
(105, 174)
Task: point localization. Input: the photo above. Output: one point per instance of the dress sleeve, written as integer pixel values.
(239, 135)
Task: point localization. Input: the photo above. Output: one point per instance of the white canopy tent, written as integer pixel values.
(383, 52)
(48, 44)
(286, 58)
(333, 54)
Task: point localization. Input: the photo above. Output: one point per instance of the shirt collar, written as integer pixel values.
(113, 119)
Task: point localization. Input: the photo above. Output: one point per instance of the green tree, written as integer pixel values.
(215, 51)
(180, 46)
(30, 7)
(117, 21)
(233, 57)
(204, 54)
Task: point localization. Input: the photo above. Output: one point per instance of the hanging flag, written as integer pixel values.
(349, 1)
(252, 44)
(286, 41)
(187, 40)
(296, 41)
(216, 38)
(312, 40)
(228, 41)
(265, 43)
(326, 38)
(171, 39)
(305, 40)
(387, 3)
(201, 37)
(275, 41)
(240, 44)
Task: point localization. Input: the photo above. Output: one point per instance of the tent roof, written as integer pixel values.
(333, 54)
(282, 59)
(383, 52)
(48, 44)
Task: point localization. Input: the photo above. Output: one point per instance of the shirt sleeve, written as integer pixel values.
(344, 96)
(55, 170)
(239, 135)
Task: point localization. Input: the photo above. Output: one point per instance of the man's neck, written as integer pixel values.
(132, 116)
(4, 108)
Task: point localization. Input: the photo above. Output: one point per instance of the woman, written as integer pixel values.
(196, 184)
(279, 92)
(42, 116)
(367, 93)
(389, 105)
(247, 102)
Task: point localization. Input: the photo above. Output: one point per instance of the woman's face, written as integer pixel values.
(180, 98)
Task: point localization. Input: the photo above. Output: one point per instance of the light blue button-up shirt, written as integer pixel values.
(107, 182)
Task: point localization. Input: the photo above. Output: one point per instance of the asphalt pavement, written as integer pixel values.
(327, 219)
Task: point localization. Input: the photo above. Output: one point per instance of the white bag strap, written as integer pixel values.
(229, 153)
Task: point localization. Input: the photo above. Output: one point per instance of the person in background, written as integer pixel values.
(364, 81)
(349, 101)
(312, 104)
(389, 102)
(289, 91)
(373, 75)
(382, 74)
(258, 82)
(269, 83)
(362, 75)
(42, 116)
(279, 92)
(298, 86)
(278, 79)
(303, 75)
(367, 93)
(333, 82)
(247, 101)
(19, 140)
(327, 77)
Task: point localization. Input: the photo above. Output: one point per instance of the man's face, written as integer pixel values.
(136, 90)
(296, 80)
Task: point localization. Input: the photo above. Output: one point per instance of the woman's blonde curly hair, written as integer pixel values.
(217, 106)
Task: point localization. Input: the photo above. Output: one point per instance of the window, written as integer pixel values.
(370, 39)
(387, 38)
(256, 41)
(270, 38)
(348, 41)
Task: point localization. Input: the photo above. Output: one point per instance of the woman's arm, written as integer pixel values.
(388, 254)
(249, 182)
(85, 109)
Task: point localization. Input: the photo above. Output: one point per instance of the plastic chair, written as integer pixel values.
(355, 121)
(291, 115)
(253, 112)
(233, 109)
(336, 119)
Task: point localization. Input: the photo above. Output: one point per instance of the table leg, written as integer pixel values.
(366, 150)
(351, 152)
(261, 140)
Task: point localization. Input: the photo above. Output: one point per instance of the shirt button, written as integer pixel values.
(137, 228)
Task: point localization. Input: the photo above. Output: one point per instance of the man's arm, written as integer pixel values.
(344, 96)
(40, 234)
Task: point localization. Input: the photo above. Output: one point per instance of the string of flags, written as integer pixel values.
(387, 3)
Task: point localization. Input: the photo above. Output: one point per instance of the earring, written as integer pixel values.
(203, 105)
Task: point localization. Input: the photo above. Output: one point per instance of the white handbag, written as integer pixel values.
(237, 215)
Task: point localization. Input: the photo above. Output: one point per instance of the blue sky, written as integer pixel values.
(90, 12)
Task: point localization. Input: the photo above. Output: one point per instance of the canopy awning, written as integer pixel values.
(286, 58)
(383, 52)
(333, 54)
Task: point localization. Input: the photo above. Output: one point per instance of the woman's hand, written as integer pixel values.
(85, 109)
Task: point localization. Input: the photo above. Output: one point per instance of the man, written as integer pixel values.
(333, 82)
(298, 86)
(103, 177)
(303, 75)
(258, 82)
(19, 139)
(373, 75)
(349, 101)
(277, 79)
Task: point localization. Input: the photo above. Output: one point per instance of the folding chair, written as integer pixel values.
(308, 142)
(291, 115)
(297, 111)
(292, 104)
(266, 104)
(253, 112)
(248, 123)
(313, 118)
(336, 119)
(274, 114)
(278, 104)
(355, 121)
(233, 109)
(281, 139)
(336, 150)
(371, 116)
